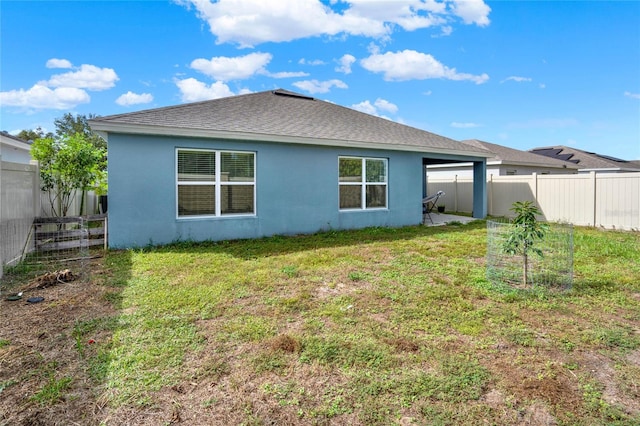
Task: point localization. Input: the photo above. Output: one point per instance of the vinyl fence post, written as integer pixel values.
(455, 193)
(490, 194)
(593, 197)
(37, 196)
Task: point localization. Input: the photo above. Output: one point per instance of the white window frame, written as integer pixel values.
(217, 184)
(363, 182)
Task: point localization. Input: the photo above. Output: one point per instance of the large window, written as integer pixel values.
(363, 183)
(215, 183)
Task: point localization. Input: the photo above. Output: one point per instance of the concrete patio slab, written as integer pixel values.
(443, 219)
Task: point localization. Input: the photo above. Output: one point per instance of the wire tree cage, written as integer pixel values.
(552, 269)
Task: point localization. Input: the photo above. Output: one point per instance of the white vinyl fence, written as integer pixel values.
(19, 204)
(609, 200)
(90, 204)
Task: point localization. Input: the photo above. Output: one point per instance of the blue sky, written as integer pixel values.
(523, 74)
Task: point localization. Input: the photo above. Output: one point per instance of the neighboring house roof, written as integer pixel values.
(586, 160)
(282, 116)
(14, 141)
(510, 156)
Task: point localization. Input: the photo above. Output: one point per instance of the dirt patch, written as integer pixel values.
(402, 344)
(285, 343)
(537, 415)
(39, 348)
(600, 368)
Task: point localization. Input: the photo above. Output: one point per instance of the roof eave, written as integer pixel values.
(103, 129)
(531, 164)
(609, 169)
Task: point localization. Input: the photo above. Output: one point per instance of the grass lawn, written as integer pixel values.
(376, 326)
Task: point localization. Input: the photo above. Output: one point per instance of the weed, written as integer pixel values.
(53, 390)
(290, 271)
(4, 342)
(614, 337)
(357, 276)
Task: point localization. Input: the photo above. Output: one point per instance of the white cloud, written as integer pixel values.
(251, 22)
(385, 105)
(458, 125)
(516, 79)
(412, 65)
(446, 31)
(345, 64)
(314, 62)
(410, 15)
(287, 74)
(376, 108)
(62, 91)
(472, 11)
(542, 86)
(366, 107)
(87, 77)
(193, 90)
(58, 63)
(427, 93)
(315, 86)
(42, 97)
(131, 98)
(225, 68)
(632, 95)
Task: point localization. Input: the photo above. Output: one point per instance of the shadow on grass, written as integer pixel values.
(281, 245)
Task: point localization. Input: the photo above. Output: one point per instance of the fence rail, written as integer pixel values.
(609, 200)
(54, 234)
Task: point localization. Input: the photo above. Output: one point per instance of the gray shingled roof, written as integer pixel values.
(507, 155)
(281, 113)
(584, 159)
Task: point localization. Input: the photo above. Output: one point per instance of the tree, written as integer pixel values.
(70, 125)
(525, 234)
(33, 135)
(67, 164)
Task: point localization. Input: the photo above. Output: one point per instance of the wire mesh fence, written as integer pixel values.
(45, 245)
(14, 237)
(554, 269)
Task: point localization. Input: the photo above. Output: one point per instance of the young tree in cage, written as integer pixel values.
(67, 164)
(525, 235)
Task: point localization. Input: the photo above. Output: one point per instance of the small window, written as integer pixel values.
(215, 183)
(362, 183)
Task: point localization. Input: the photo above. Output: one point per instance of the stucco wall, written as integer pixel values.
(296, 191)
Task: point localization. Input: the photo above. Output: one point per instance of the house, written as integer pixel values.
(505, 161)
(267, 163)
(588, 161)
(14, 150)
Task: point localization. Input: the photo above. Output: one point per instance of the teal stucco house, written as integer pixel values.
(267, 163)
